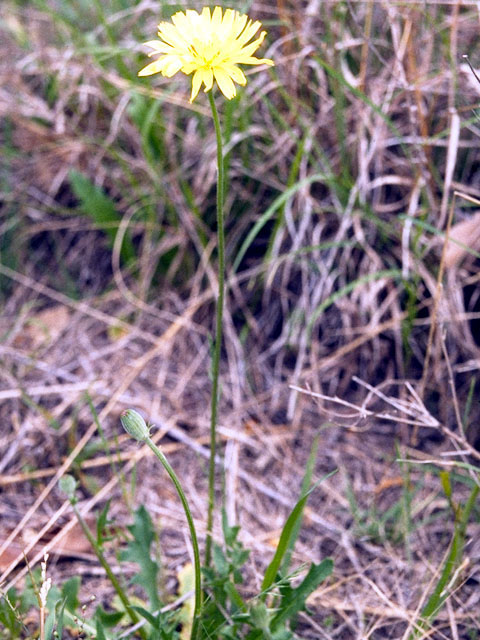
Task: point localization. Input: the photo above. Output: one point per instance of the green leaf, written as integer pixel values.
(70, 591)
(446, 484)
(101, 209)
(260, 619)
(147, 115)
(164, 624)
(138, 550)
(99, 629)
(101, 524)
(10, 613)
(443, 588)
(294, 601)
(234, 595)
(108, 618)
(286, 536)
(149, 617)
(219, 560)
(229, 533)
(307, 481)
(53, 602)
(60, 611)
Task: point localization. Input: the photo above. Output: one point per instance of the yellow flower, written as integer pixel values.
(210, 45)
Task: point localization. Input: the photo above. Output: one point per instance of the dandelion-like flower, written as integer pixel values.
(209, 45)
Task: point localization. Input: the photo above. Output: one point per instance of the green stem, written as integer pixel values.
(111, 576)
(193, 535)
(218, 330)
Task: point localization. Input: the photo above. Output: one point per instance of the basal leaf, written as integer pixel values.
(294, 602)
(138, 550)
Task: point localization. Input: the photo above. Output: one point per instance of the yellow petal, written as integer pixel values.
(225, 83)
(251, 48)
(188, 67)
(248, 34)
(153, 67)
(196, 84)
(159, 47)
(238, 24)
(236, 74)
(229, 22)
(205, 22)
(171, 66)
(184, 24)
(216, 19)
(207, 77)
(192, 15)
(253, 60)
(171, 35)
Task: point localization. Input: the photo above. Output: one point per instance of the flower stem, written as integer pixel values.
(193, 534)
(218, 329)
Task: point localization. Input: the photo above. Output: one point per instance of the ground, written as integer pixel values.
(351, 326)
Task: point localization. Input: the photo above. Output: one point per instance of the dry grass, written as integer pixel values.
(376, 101)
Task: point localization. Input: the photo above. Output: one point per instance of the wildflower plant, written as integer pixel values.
(210, 45)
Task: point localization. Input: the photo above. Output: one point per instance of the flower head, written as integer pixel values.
(209, 45)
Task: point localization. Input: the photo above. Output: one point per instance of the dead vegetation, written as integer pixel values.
(369, 120)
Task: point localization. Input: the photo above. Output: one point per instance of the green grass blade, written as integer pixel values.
(454, 557)
(273, 208)
(386, 273)
(307, 481)
(292, 177)
(286, 537)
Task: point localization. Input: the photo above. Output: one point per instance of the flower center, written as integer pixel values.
(206, 53)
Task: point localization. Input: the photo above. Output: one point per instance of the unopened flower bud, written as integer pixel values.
(134, 424)
(68, 484)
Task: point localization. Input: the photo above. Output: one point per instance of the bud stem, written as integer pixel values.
(193, 534)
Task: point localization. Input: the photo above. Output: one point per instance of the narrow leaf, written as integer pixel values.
(286, 536)
(307, 481)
